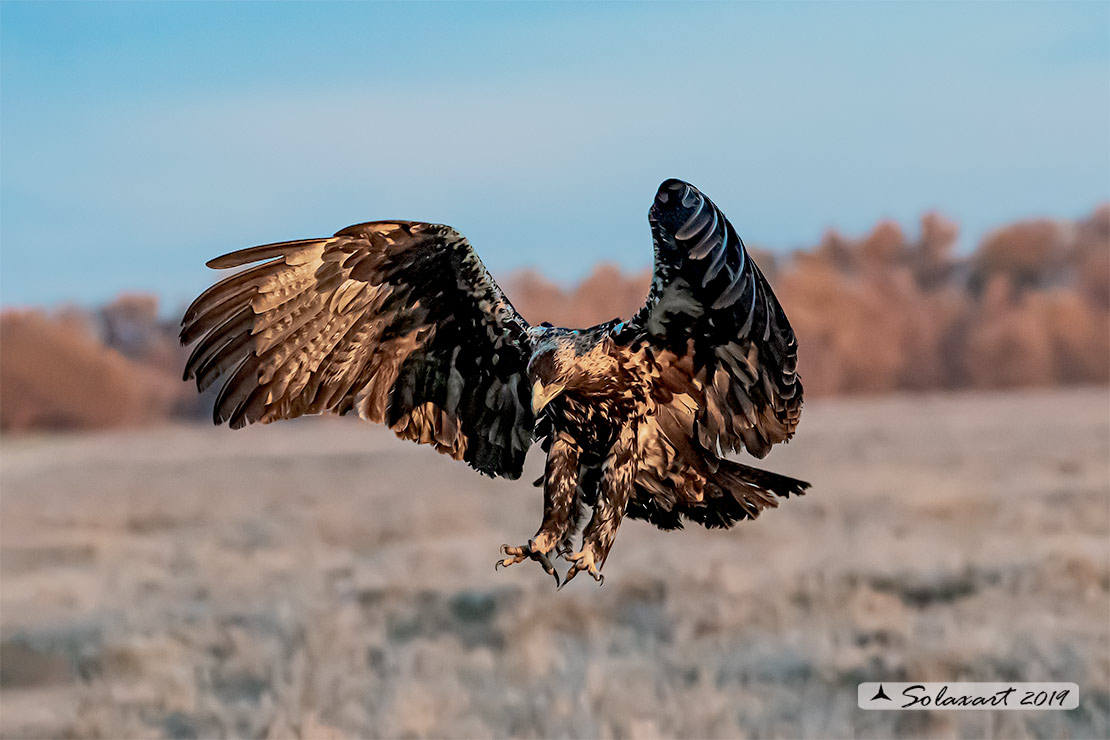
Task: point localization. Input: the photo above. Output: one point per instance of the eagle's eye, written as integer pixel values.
(542, 366)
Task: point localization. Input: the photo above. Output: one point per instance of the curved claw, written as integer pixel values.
(545, 563)
(515, 555)
(583, 561)
(525, 552)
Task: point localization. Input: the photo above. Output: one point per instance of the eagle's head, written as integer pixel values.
(566, 358)
(551, 366)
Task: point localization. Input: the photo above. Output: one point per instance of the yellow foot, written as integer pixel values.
(583, 560)
(526, 552)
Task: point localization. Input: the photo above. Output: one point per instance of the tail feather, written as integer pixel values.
(741, 492)
(765, 480)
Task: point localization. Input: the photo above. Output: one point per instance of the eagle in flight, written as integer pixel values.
(400, 322)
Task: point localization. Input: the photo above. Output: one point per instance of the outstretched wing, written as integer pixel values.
(715, 329)
(722, 362)
(399, 321)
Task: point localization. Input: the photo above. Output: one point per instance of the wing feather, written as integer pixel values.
(712, 316)
(720, 359)
(398, 321)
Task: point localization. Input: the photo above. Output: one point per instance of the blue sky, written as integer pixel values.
(140, 139)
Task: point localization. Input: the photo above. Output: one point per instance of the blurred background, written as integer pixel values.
(927, 187)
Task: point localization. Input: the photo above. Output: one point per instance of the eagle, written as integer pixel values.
(400, 322)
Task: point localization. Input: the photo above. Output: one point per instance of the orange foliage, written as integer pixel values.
(885, 312)
(1030, 254)
(605, 294)
(54, 373)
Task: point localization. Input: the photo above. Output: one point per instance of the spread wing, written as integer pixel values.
(398, 321)
(721, 359)
(720, 348)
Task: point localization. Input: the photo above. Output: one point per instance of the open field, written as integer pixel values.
(323, 579)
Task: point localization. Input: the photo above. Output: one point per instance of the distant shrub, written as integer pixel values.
(55, 374)
(1030, 307)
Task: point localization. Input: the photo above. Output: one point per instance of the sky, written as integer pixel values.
(138, 140)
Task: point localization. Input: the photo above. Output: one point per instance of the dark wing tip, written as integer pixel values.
(673, 184)
(670, 192)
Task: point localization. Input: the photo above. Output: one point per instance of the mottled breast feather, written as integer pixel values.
(720, 350)
(398, 321)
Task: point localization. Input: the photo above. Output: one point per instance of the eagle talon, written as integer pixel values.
(526, 552)
(583, 561)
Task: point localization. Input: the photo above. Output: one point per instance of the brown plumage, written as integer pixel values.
(401, 323)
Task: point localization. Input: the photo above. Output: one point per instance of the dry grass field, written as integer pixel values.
(322, 579)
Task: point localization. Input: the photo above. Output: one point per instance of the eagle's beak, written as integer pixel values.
(542, 395)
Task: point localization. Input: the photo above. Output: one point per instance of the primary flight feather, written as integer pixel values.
(400, 322)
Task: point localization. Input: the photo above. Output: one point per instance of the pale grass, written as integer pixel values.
(321, 579)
